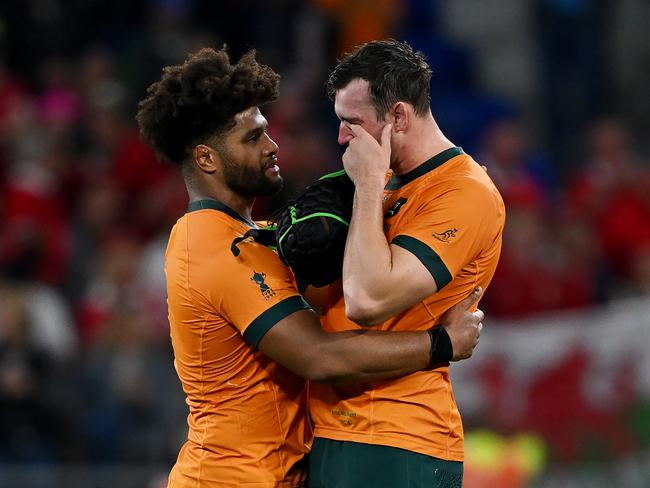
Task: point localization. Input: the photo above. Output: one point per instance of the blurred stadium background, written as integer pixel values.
(552, 95)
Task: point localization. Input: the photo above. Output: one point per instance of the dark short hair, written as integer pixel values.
(198, 100)
(394, 71)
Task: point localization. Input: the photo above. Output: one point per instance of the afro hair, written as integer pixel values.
(199, 99)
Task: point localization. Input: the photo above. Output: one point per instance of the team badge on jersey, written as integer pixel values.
(266, 290)
(445, 236)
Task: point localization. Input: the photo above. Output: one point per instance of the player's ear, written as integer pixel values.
(402, 114)
(205, 158)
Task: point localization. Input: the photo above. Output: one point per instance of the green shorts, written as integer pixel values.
(337, 464)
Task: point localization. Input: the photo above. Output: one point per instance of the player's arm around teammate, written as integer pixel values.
(299, 343)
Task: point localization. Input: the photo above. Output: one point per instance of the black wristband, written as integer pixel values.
(441, 348)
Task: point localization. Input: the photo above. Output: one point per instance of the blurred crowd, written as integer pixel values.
(86, 369)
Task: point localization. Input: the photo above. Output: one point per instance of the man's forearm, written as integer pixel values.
(368, 260)
(361, 356)
(300, 344)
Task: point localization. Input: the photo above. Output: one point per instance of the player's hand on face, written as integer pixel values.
(464, 327)
(366, 161)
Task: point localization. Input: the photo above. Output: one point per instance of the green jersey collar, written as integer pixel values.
(397, 182)
(221, 207)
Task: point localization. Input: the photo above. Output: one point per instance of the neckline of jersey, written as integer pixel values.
(221, 207)
(439, 159)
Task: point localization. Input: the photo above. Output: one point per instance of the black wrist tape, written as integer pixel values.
(441, 348)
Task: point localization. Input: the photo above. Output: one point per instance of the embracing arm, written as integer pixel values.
(298, 343)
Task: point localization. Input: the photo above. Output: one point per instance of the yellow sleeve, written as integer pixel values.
(255, 290)
(449, 231)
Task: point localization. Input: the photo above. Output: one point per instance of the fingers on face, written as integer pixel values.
(479, 315)
(356, 129)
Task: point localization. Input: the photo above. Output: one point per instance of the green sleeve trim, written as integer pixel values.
(264, 322)
(335, 174)
(427, 256)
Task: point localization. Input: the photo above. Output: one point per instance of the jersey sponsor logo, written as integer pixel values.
(345, 417)
(266, 291)
(396, 207)
(445, 236)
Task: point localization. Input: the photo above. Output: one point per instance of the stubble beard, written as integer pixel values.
(249, 181)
